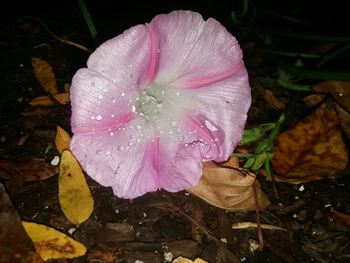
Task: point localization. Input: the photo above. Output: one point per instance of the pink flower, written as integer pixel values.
(157, 101)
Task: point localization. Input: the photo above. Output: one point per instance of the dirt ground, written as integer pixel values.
(314, 215)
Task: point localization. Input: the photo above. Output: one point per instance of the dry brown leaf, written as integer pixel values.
(229, 188)
(272, 101)
(314, 99)
(186, 260)
(44, 74)
(344, 118)
(28, 170)
(311, 150)
(62, 140)
(15, 244)
(52, 244)
(61, 98)
(74, 194)
(340, 91)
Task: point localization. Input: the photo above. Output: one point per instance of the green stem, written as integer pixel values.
(88, 19)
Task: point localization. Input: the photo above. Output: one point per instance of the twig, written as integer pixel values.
(68, 42)
(243, 225)
(258, 222)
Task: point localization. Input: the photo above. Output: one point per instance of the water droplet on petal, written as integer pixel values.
(138, 127)
(98, 152)
(177, 93)
(210, 126)
(113, 100)
(133, 108)
(100, 96)
(105, 90)
(98, 117)
(108, 152)
(174, 123)
(162, 92)
(130, 143)
(92, 118)
(112, 115)
(120, 148)
(111, 133)
(123, 94)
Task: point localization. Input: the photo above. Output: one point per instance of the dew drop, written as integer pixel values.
(120, 148)
(178, 130)
(210, 126)
(162, 92)
(130, 143)
(113, 100)
(177, 93)
(138, 140)
(133, 108)
(174, 124)
(104, 90)
(98, 117)
(100, 96)
(111, 133)
(170, 132)
(123, 94)
(112, 115)
(98, 152)
(92, 118)
(108, 152)
(138, 127)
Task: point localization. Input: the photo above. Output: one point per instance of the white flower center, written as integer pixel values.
(150, 103)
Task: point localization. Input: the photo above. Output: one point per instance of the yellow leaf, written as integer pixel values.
(52, 244)
(61, 98)
(62, 140)
(186, 260)
(73, 192)
(44, 74)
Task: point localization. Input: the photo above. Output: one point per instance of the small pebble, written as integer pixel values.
(72, 230)
(168, 256)
(223, 240)
(301, 188)
(55, 161)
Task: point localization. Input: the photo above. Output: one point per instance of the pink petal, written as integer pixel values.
(194, 52)
(97, 103)
(124, 160)
(225, 105)
(179, 165)
(129, 59)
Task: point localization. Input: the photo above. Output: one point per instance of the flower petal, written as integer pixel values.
(225, 105)
(128, 59)
(194, 52)
(97, 103)
(179, 166)
(124, 160)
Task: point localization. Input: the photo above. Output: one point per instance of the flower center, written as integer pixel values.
(150, 103)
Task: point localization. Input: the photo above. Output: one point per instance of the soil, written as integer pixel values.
(149, 228)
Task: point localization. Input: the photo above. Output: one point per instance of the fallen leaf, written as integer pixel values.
(272, 101)
(52, 244)
(44, 74)
(314, 99)
(28, 170)
(62, 140)
(186, 260)
(311, 150)
(229, 188)
(60, 98)
(74, 194)
(344, 118)
(340, 91)
(15, 244)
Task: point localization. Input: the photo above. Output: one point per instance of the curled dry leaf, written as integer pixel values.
(52, 244)
(28, 170)
(73, 192)
(15, 244)
(229, 188)
(340, 91)
(61, 98)
(62, 140)
(44, 74)
(311, 150)
(272, 101)
(186, 260)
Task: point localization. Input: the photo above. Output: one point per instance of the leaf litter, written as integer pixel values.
(186, 225)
